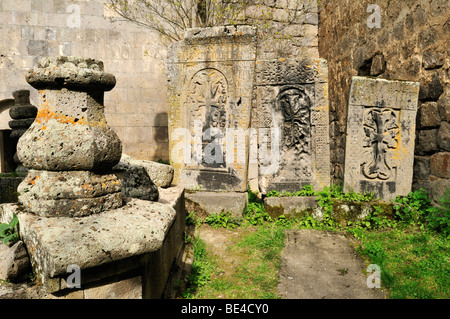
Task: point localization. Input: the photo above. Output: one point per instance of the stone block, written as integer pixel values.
(429, 115)
(421, 167)
(440, 164)
(427, 141)
(136, 182)
(101, 245)
(210, 76)
(17, 5)
(379, 150)
(69, 193)
(123, 289)
(14, 262)
(292, 206)
(70, 131)
(160, 174)
(432, 60)
(431, 87)
(437, 187)
(37, 47)
(292, 122)
(207, 203)
(443, 136)
(378, 65)
(444, 106)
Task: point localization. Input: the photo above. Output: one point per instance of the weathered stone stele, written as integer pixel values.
(381, 124)
(291, 119)
(70, 148)
(210, 76)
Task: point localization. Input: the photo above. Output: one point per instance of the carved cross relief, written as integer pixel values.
(295, 107)
(381, 136)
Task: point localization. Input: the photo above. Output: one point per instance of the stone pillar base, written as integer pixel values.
(69, 193)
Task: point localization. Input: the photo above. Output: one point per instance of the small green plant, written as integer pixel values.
(439, 216)
(202, 268)
(308, 222)
(413, 207)
(192, 219)
(306, 190)
(255, 212)
(8, 231)
(225, 220)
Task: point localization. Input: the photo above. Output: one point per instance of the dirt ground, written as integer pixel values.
(315, 264)
(323, 265)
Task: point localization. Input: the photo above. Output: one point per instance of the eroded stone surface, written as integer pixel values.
(160, 174)
(70, 132)
(69, 193)
(68, 140)
(381, 128)
(53, 244)
(70, 72)
(208, 203)
(15, 264)
(136, 182)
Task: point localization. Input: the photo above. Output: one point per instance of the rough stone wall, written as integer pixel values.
(411, 44)
(286, 28)
(136, 108)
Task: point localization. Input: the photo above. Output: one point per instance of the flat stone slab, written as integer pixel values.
(53, 244)
(206, 203)
(322, 265)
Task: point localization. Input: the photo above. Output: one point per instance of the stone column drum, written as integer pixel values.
(22, 114)
(69, 149)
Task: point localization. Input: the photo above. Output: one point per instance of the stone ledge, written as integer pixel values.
(137, 228)
(110, 248)
(206, 203)
(290, 206)
(343, 211)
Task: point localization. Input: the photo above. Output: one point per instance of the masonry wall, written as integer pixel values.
(412, 43)
(136, 108)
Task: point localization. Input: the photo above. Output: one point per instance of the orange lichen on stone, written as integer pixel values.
(34, 180)
(44, 114)
(87, 186)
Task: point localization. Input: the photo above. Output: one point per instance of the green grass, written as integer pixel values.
(203, 267)
(252, 275)
(414, 263)
(412, 249)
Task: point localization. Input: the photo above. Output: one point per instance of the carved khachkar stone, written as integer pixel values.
(210, 75)
(379, 150)
(70, 148)
(23, 114)
(291, 119)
